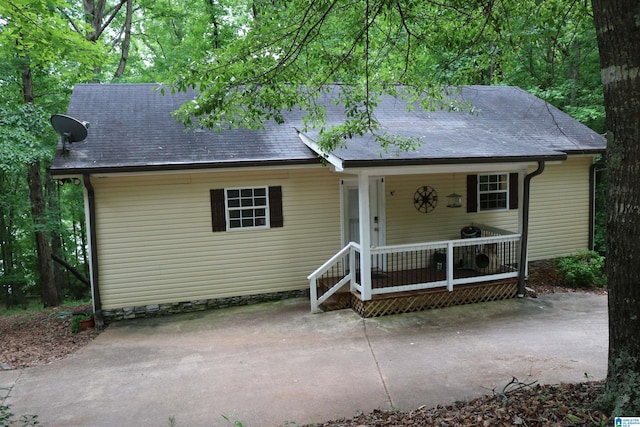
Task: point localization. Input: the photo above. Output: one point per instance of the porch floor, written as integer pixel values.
(419, 300)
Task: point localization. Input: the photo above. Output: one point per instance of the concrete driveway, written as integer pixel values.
(266, 364)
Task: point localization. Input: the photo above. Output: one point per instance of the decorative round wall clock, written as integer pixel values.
(425, 199)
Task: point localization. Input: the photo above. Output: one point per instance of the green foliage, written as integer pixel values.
(583, 269)
(229, 419)
(75, 321)
(621, 396)
(8, 419)
(284, 56)
(24, 133)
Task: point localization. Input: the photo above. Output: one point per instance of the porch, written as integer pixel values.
(413, 277)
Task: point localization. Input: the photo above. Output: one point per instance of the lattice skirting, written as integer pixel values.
(383, 305)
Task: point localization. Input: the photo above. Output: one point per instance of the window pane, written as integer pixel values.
(247, 207)
(493, 191)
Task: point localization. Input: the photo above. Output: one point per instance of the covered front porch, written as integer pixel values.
(415, 277)
(462, 260)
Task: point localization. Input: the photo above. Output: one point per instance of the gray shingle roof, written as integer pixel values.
(131, 128)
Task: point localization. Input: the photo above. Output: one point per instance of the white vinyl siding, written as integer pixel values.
(155, 243)
(406, 225)
(559, 214)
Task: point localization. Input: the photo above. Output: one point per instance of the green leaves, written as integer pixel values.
(25, 136)
(35, 29)
(285, 56)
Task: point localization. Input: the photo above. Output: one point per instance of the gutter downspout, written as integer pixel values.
(95, 288)
(525, 228)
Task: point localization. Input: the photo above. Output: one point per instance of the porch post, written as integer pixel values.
(365, 236)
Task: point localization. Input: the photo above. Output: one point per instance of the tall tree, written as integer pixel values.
(619, 41)
(126, 40)
(285, 55)
(40, 50)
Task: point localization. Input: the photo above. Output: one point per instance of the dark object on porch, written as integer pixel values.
(440, 260)
(482, 261)
(470, 232)
(469, 253)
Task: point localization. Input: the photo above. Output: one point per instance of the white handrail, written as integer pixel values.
(349, 249)
(341, 253)
(443, 244)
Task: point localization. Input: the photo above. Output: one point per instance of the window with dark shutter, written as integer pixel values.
(218, 218)
(246, 208)
(472, 193)
(275, 206)
(513, 191)
(498, 191)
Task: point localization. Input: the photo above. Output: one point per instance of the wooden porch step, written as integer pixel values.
(407, 302)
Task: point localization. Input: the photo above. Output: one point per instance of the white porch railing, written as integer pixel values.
(411, 267)
(334, 274)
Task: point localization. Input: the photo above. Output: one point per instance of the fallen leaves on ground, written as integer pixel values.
(534, 406)
(38, 337)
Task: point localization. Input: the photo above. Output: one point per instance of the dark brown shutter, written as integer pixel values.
(513, 191)
(275, 207)
(472, 193)
(218, 218)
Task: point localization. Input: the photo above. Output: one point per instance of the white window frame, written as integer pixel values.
(229, 209)
(502, 177)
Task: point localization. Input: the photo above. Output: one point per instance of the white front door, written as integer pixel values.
(351, 215)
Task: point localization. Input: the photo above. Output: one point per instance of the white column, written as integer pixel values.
(365, 236)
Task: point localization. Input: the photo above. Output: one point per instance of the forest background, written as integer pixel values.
(250, 60)
(548, 48)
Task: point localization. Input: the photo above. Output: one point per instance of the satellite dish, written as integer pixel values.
(69, 129)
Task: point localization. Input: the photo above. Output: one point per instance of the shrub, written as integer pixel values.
(583, 269)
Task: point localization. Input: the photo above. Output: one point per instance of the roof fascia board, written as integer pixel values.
(182, 168)
(438, 169)
(468, 161)
(101, 173)
(334, 160)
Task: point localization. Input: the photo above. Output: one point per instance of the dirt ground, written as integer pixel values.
(35, 338)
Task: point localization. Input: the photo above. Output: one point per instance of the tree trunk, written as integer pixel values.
(126, 42)
(56, 240)
(6, 247)
(618, 40)
(50, 295)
